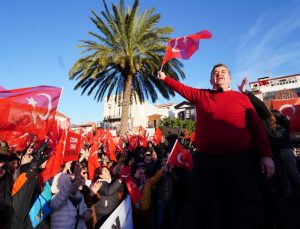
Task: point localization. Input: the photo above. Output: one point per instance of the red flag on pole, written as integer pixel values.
(180, 157)
(184, 47)
(29, 110)
(111, 149)
(133, 189)
(93, 162)
(133, 141)
(55, 161)
(157, 136)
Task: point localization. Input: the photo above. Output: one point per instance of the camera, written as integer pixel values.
(39, 155)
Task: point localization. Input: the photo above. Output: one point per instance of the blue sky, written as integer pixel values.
(254, 38)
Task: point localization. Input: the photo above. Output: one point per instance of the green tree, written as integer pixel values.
(124, 57)
(178, 123)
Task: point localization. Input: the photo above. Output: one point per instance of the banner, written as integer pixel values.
(121, 217)
(73, 147)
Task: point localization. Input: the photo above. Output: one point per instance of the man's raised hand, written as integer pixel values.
(242, 86)
(161, 75)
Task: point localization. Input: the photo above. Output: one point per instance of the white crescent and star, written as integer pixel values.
(288, 106)
(33, 103)
(44, 117)
(175, 48)
(180, 160)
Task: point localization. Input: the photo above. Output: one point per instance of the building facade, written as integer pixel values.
(268, 89)
(186, 111)
(146, 115)
(285, 91)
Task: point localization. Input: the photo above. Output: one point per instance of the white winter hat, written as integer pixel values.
(59, 181)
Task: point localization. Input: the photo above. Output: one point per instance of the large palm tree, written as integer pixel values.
(124, 57)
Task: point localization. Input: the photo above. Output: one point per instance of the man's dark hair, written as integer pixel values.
(220, 65)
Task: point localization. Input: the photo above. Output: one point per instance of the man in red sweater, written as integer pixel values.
(223, 192)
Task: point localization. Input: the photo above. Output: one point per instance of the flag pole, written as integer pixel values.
(161, 67)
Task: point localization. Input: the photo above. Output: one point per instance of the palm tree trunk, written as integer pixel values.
(125, 105)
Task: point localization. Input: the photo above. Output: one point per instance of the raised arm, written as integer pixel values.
(187, 92)
(259, 106)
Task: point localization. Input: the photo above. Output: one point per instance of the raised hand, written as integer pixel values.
(242, 86)
(96, 186)
(161, 75)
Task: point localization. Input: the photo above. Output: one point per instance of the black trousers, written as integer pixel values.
(223, 194)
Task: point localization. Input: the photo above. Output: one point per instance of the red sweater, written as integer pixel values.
(226, 121)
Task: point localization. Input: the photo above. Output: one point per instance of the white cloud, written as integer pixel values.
(270, 46)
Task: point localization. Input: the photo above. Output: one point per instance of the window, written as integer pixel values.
(190, 114)
(181, 115)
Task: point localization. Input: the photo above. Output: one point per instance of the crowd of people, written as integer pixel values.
(244, 166)
(80, 202)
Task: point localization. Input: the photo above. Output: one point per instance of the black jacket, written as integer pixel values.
(279, 137)
(108, 199)
(22, 201)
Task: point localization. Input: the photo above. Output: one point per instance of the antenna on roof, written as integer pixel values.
(268, 68)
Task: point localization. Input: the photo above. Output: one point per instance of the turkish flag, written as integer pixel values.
(16, 140)
(263, 82)
(133, 141)
(73, 146)
(111, 148)
(93, 162)
(157, 136)
(291, 109)
(29, 110)
(55, 161)
(180, 157)
(143, 141)
(184, 47)
(133, 189)
(124, 171)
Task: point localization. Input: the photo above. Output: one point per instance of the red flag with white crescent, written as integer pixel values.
(184, 47)
(291, 109)
(29, 110)
(180, 157)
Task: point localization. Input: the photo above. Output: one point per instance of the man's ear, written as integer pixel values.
(211, 81)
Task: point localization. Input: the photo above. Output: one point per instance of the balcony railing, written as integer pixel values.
(112, 118)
